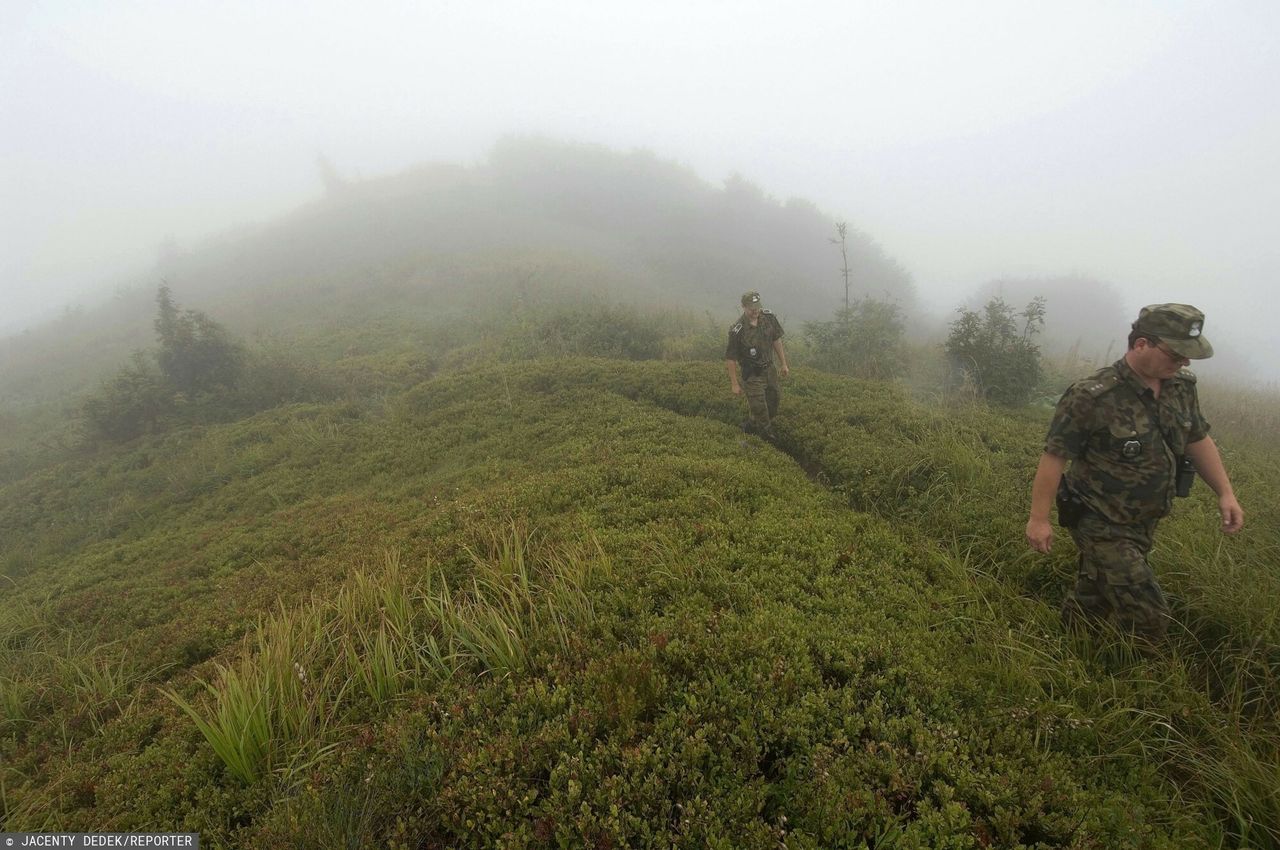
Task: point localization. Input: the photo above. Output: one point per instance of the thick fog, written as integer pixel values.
(1136, 144)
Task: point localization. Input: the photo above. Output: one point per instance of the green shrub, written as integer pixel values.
(1000, 362)
(135, 401)
(863, 340)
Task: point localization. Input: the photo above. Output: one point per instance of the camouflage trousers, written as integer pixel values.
(1114, 582)
(764, 393)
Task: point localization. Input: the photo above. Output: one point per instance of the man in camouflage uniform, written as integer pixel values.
(753, 342)
(1124, 429)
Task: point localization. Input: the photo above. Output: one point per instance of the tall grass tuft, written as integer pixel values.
(238, 725)
(380, 636)
(16, 698)
(102, 685)
(377, 663)
(71, 677)
(271, 700)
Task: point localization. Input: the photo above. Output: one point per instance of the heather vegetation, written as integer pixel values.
(565, 600)
(491, 564)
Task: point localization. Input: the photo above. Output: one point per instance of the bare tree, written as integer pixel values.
(843, 230)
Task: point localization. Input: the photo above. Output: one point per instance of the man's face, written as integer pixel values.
(753, 312)
(1158, 360)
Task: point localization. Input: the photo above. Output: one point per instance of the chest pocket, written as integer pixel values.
(1125, 444)
(754, 347)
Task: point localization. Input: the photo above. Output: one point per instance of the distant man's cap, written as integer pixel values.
(751, 299)
(1179, 326)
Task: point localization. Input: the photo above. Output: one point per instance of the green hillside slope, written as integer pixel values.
(536, 220)
(566, 602)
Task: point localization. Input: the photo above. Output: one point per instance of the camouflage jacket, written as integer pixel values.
(1123, 442)
(753, 346)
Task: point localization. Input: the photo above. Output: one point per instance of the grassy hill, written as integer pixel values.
(476, 554)
(567, 602)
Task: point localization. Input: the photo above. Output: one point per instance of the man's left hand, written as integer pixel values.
(1232, 514)
(785, 370)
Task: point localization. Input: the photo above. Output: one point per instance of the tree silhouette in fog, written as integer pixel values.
(196, 353)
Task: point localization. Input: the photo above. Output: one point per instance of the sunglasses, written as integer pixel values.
(1170, 353)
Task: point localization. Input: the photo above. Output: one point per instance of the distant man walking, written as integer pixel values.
(754, 340)
(1126, 430)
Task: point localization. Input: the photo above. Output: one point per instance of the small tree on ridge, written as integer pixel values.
(1001, 361)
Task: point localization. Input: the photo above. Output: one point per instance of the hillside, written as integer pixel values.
(567, 602)
(537, 221)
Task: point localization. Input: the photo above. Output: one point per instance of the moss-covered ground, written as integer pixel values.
(568, 603)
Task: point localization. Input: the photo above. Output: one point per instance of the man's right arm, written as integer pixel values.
(1043, 490)
(731, 366)
(1067, 438)
(731, 359)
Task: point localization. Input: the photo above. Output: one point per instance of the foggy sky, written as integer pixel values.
(1138, 143)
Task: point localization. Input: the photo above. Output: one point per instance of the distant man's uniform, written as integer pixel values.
(751, 347)
(1124, 442)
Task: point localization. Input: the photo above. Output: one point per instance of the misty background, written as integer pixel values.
(1104, 155)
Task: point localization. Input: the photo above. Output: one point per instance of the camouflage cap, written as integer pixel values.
(751, 299)
(1179, 326)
